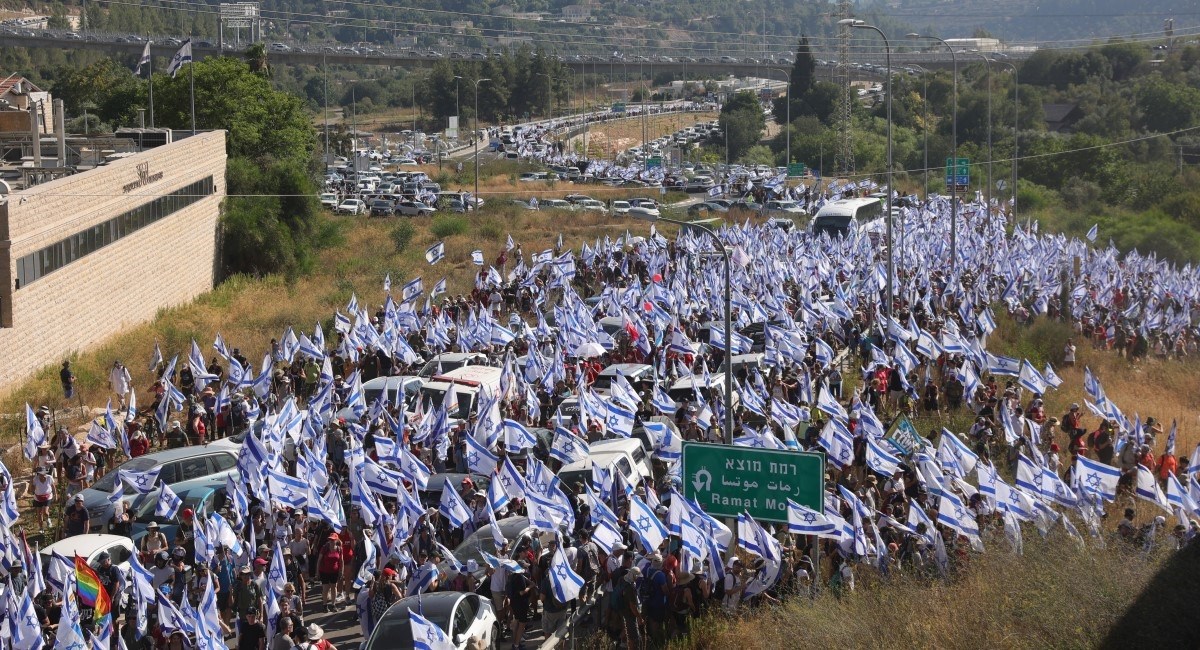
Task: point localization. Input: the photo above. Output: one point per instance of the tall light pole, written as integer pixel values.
(325, 82)
(953, 152)
(987, 63)
(787, 128)
(1016, 129)
(476, 138)
(887, 49)
(924, 122)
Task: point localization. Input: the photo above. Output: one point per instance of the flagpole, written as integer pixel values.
(192, 91)
(150, 82)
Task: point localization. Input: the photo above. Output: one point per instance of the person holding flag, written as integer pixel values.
(95, 607)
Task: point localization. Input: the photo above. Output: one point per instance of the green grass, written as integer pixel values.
(447, 225)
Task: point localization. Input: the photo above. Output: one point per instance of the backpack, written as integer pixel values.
(1062, 424)
(718, 591)
(588, 562)
(646, 586)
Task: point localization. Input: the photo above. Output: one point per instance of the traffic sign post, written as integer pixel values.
(958, 172)
(796, 170)
(728, 480)
(654, 162)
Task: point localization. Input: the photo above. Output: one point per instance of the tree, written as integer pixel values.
(1167, 107)
(742, 124)
(800, 83)
(256, 57)
(271, 220)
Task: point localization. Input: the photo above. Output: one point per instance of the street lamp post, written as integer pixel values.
(987, 63)
(953, 153)
(887, 49)
(728, 308)
(787, 128)
(549, 94)
(475, 137)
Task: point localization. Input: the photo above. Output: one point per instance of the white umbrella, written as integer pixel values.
(589, 350)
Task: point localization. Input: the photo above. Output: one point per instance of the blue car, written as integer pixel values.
(204, 495)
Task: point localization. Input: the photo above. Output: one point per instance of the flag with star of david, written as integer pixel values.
(427, 635)
(803, 520)
(1096, 477)
(646, 524)
(565, 582)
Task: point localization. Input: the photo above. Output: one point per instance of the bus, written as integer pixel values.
(839, 217)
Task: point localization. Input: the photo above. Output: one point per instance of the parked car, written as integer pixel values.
(351, 206)
(329, 200)
(382, 208)
(89, 547)
(178, 465)
(620, 207)
(413, 209)
(204, 495)
(468, 619)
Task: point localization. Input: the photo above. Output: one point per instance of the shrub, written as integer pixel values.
(401, 234)
(447, 225)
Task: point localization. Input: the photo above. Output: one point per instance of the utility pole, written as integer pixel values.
(844, 154)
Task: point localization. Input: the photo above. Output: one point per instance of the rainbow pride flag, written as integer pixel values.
(91, 593)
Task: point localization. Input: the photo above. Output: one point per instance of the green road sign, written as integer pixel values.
(654, 162)
(960, 168)
(618, 107)
(727, 480)
(797, 169)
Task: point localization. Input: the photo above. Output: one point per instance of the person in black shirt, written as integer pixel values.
(68, 380)
(253, 634)
(76, 517)
(110, 579)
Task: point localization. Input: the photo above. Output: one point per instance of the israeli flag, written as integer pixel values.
(141, 482)
(646, 524)
(477, 257)
(479, 459)
(663, 402)
(452, 506)
(1096, 477)
(1093, 232)
(879, 460)
(567, 447)
(287, 491)
(497, 562)
(618, 420)
(168, 503)
(1147, 488)
(835, 439)
(952, 513)
(517, 437)
(426, 635)
(439, 288)
(803, 520)
(828, 404)
(435, 253)
(1030, 378)
(34, 434)
(511, 481)
(565, 583)
(184, 55)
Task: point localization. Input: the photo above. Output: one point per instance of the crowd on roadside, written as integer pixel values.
(333, 492)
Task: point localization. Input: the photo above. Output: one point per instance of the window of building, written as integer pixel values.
(61, 253)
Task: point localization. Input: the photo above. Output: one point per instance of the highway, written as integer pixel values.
(318, 54)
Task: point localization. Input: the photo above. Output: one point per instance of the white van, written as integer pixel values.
(466, 382)
(840, 217)
(626, 454)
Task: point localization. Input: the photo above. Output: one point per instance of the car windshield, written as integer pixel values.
(396, 631)
(144, 511)
(109, 480)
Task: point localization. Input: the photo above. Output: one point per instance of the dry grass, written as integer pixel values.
(1055, 596)
(248, 312)
(608, 139)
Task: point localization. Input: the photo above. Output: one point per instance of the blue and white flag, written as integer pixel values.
(954, 514)
(803, 520)
(287, 491)
(517, 437)
(435, 253)
(168, 503)
(34, 434)
(477, 257)
(184, 55)
(663, 402)
(277, 576)
(426, 635)
(567, 447)
(1093, 232)
(143, 60)
(565, 583)
(497, 562)
(618, 421)
(1147, 488)
(25, 630)
(452, 507)
(880, 460)
(1170, 448)
(828, 404)
(510, 479)
(835, 438)
(646, 524)
(438, 289)
(479, 459)
(141, 482)
(1096, 477)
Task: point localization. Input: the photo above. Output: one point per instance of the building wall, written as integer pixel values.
(163, 264)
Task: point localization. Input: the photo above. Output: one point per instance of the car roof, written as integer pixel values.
(437, 604)
(390, 382)
(85, 545)
(626, 369)
(168, 455)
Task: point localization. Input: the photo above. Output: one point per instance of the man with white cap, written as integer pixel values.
(314, 639)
